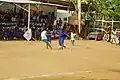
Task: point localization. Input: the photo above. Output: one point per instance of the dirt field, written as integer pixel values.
(87, 60)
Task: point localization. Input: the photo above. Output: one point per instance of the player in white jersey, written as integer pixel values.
(44, 38)
(73, 35)
(113, 37)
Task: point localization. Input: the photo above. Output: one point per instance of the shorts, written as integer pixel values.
(119, 40)
(49, 39)
(61, 42)
(45, 40)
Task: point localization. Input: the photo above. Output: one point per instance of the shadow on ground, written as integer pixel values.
(114, 70)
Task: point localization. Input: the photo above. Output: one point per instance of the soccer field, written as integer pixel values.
(87, 60)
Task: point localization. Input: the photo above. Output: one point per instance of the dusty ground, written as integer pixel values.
(87, 60)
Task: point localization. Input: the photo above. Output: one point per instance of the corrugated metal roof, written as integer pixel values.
(20, 1)
(60, 4)
(64, 3)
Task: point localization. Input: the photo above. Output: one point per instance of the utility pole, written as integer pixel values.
(79, 15)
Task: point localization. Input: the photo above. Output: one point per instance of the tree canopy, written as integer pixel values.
(110, 8)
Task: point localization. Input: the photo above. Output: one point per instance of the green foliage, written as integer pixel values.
(109, 8)
(75, 3)
(65, 19)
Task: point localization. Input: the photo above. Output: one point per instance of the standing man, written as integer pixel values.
(54, 27)
(55, 23)
(60, 23)
(106, 36)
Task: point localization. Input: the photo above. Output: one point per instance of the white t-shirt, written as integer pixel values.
(13, 19)
(43, 35)
(73, 36)
(113, 34)
(55, 22)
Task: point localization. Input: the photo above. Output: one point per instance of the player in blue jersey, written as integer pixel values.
(119, 39)
(48, 35)
(62, 36)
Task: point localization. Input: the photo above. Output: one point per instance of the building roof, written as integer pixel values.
(60, 4)
(64, 4)
(21, 1)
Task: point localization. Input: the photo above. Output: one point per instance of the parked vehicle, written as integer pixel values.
(98, 35)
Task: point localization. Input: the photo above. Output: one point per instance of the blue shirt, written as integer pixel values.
(119, 37)
(62, 34)
(49, 36)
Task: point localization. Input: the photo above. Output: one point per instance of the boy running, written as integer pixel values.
(44, 38)
(73, 35)
(62, 36)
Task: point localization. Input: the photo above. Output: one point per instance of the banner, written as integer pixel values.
(28, 34)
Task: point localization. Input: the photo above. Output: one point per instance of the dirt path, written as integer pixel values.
(88, 59)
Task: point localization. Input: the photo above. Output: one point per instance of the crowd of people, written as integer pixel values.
(13, 26)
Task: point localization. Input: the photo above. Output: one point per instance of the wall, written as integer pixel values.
(62, 14)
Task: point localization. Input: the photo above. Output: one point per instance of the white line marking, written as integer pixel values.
(49, 75)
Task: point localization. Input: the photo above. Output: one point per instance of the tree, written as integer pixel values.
(75, 3)
(110, 8)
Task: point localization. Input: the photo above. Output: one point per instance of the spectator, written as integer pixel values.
(13, 19)
(106, 36)
(60, 23)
